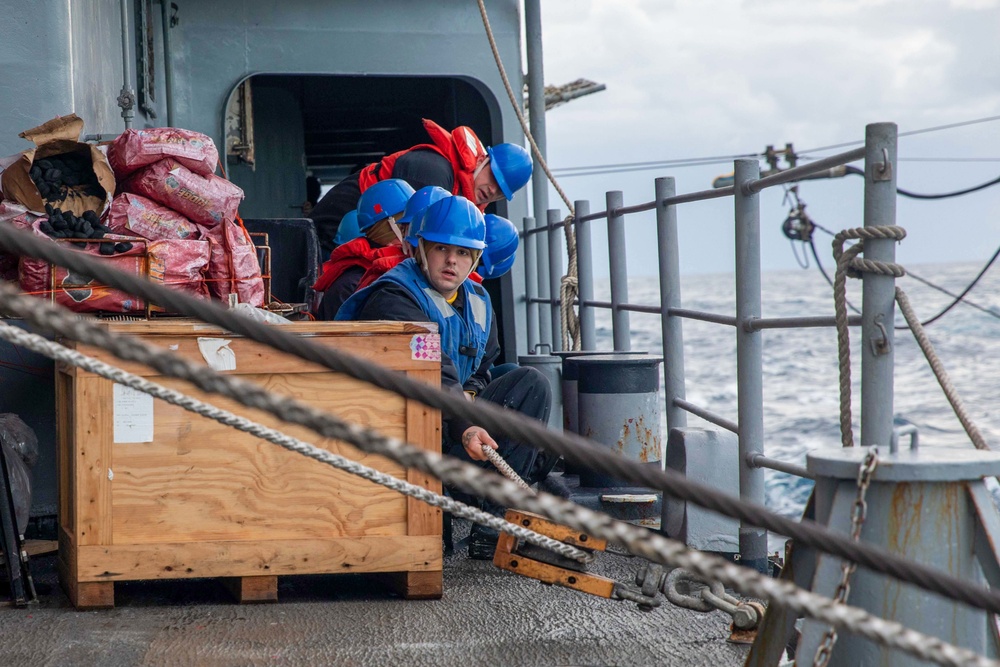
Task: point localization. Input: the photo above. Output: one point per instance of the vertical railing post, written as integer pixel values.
(749, 351)
(619, 273)
(542, 280)
(531, 283)
(555, 275)
(879, 291)
(668, 256)
(585, 275)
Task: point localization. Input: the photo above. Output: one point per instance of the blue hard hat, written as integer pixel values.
(501, 247)
(348, 229)
(420, 200)
(453, 221)
(382, 200)
(511, 166)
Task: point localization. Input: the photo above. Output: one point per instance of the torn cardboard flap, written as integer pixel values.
(61, 127)
(56, 137)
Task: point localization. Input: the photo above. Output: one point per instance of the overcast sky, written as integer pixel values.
(696, 78)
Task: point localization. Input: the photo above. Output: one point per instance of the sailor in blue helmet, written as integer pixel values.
(379, 208)
(434, 286)
(456, 161)
(348, 230)
(501, 247)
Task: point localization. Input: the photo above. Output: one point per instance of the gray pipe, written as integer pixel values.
(536, 102)
(585, 273)
(168, 65)
(668, 256)
(126, 99)
(878, 292)
(749, 354)
(555, 276)
(621, 332)
(531, 283)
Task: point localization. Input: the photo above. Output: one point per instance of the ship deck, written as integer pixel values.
(487, 616)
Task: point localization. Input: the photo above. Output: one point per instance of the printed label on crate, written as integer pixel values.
(133, 415)
(426, 347)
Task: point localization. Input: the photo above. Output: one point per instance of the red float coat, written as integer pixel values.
(461, 147)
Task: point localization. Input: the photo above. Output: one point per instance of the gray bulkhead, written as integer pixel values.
(63, 56)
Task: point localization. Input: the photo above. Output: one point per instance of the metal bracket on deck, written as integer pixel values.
(519, 557)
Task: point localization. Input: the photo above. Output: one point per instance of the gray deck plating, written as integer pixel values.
(487, 616)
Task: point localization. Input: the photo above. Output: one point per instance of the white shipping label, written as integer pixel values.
(133, 415)
(217, 353)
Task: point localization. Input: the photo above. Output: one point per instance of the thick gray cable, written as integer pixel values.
(640, 541)
(58, 352)
(573, 448)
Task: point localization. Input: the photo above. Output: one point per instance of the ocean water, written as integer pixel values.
(801, 377)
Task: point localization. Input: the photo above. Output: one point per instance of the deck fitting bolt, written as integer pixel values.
(572, 580)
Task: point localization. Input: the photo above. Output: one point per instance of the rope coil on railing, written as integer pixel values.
(574, 449)
(848, 264)
(473, 479)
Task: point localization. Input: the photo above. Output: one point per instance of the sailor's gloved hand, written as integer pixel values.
(474, 439)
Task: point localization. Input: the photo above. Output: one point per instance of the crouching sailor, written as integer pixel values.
(434, 286)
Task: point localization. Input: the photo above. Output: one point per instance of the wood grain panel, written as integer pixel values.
(248, 559)
(92, 460)
(202, 480)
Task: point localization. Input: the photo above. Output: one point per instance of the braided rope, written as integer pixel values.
(640, 541)
(567, 289)
(504, 468)
(939, 372)
(58, 352)
(847, 260)
(573, 448)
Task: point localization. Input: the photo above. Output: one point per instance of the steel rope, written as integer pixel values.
(643, 542)
(939, 372)
(58, 352)
(574, 448)
(569, 284)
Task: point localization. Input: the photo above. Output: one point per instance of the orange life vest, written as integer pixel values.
(461, 147)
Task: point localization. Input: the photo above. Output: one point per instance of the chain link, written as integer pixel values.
(859, 512)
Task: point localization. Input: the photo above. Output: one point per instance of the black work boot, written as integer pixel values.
(482, 542)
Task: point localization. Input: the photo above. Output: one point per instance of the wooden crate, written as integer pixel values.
(204, 500)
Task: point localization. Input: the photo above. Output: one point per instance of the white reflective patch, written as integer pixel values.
(478, 305)
(473, 143)
(439, 301)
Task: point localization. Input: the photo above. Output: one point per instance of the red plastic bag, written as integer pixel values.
(206, 200)
(134, 149)
(180, 265)
(135, 215)
(83, 294)
(14, 214)
(233, 268)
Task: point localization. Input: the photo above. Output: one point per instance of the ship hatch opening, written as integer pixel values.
(289, 138)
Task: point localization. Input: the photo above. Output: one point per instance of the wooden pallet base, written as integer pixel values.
(89, 595)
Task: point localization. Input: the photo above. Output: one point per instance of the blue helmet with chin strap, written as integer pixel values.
(511, 166)
(420, 200)
(382, 200)
(348, 229)
(501, 247)
(453, 221)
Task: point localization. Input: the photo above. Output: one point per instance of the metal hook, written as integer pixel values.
(883, 169)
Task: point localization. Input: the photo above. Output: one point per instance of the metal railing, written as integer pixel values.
(543, 257)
